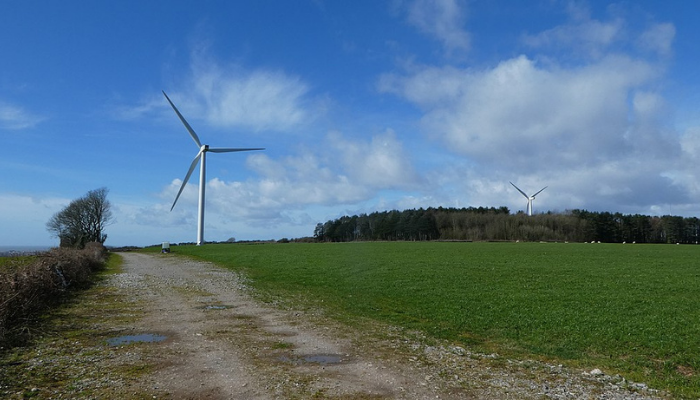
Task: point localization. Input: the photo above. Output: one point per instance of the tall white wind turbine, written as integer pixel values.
(529, 198)
(201, 157)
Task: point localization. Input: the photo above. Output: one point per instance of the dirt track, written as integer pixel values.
(221, 344)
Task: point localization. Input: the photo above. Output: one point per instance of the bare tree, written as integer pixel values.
(83, 220)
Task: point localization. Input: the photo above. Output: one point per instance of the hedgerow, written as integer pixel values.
(29, 288)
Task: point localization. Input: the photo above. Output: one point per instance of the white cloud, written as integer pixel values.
(583, 35)
(505, 115)
(297, 181)
(649, 133)
(342, 171)
(147, 105)
(232, 96)
(14, 118)
(380, 163)
(658, 38)
(443, 19)
(259, 100)
(690, 142)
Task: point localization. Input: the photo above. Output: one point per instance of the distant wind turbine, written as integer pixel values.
(201, 157)
(529, 198)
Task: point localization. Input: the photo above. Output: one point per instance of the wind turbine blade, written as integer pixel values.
(521, 192)
(539, 191)
(230, 150)
(187, 177)
(189, 128)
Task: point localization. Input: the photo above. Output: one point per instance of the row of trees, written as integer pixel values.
(83, 220)
(494, 224)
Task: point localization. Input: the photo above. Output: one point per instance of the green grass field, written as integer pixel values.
(7, 263)
(629, 309)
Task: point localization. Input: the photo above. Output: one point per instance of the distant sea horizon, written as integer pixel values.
(23, 249)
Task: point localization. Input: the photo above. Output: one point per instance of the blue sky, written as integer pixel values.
(361, 106)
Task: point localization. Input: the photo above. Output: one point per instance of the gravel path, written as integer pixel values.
(221, 344)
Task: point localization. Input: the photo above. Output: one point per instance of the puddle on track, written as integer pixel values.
(129, 339)
(215, 307)
(321, 359)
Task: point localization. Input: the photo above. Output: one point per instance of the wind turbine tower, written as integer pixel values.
(201, 157)
(529, 198)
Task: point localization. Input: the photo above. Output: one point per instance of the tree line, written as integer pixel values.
(498, 224)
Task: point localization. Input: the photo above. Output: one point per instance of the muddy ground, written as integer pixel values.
(170, 327)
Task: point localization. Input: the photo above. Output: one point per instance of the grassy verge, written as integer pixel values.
(29, 286)
(629, 309)
(12, 263)
(68, 356)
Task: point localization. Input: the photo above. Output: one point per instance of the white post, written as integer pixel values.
(202, 184)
